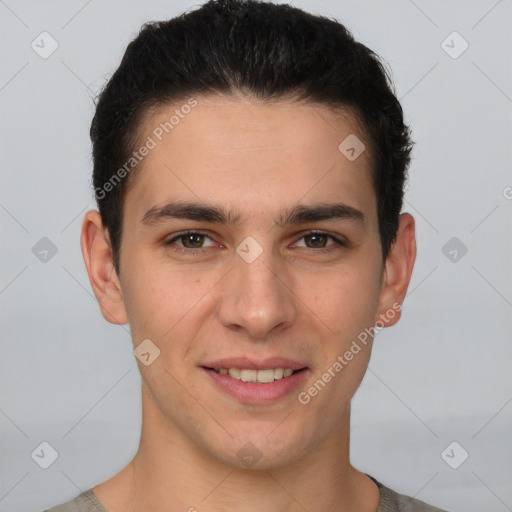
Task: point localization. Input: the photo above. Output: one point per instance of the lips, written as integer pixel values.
(253, 381)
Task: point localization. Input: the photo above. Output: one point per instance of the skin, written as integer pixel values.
(293, 301)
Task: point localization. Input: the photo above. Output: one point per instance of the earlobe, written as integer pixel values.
(97, 255)
(397, 272)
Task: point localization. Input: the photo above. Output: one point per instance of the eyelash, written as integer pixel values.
(337, 242)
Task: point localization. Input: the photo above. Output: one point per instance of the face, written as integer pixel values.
(251, 242)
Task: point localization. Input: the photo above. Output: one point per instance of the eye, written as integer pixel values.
(191, 240)
(319, 240)
(195, 241)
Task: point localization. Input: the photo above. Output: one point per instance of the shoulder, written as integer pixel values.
(84, 502)
(391, 501)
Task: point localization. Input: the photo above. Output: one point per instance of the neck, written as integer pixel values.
(170, 472)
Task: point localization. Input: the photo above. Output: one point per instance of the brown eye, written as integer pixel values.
(316, 240)
(321, 241)
(193, 241)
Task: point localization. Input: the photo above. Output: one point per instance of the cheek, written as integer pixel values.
(345, 300)
(348, 306)
(161, 301)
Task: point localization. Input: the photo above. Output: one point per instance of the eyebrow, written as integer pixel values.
(216, 214)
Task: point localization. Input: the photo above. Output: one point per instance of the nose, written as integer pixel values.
(258, 297)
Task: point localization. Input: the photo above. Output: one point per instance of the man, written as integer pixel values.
(249, 163)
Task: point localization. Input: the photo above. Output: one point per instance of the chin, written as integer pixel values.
(255, 451)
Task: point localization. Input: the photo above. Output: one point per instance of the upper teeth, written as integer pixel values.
(263, 376)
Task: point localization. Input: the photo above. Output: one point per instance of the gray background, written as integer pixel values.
(441, 375)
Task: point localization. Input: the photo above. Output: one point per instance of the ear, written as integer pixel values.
(97, 254)
(397, 272)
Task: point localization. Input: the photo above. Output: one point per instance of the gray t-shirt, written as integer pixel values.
(390, 501)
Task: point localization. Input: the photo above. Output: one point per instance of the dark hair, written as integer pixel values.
(264, 50)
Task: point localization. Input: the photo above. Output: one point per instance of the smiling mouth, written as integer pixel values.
(265, 376)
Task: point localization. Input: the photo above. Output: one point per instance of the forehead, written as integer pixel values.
(252, 155)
